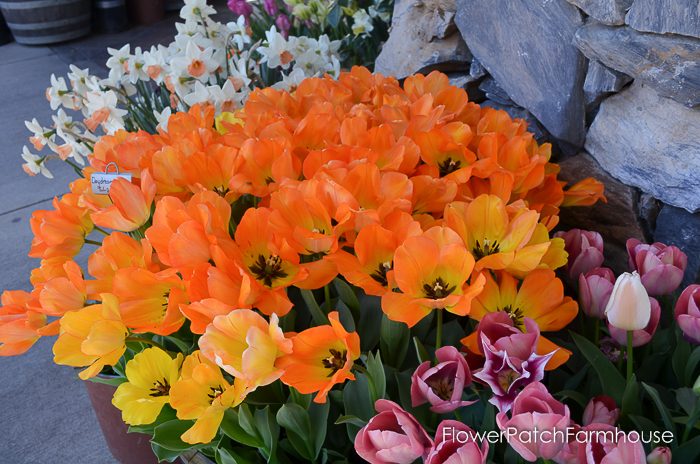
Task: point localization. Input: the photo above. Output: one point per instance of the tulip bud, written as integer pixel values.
(629, 307)
(660, 455)
(601, 410)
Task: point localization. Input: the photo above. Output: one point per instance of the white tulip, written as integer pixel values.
(629, 307)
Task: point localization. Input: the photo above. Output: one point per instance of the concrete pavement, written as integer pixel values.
(45, 415)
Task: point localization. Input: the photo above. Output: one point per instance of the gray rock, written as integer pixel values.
(651, 142)
(423, 38)
(649, 208)
(678, 227)
(670, 64)
(616, 220)
(600, 82)
(666, 16)
(527, 47)
(494, 92)
(476, 69)
(606, 11)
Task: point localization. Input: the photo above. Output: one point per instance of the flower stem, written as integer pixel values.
(100, 230)
(438, 335)
(146, 341)
(327, 296)
(93, 242)
(630, 351)
(596, 333)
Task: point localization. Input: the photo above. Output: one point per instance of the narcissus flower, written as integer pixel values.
(149, 375)
(431, 272)
(246, 346)
(540, 296)
(321, 357)
(203, 394)
(93, 336)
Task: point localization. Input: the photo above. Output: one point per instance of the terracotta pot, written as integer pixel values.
(127, 448)
(145, 11)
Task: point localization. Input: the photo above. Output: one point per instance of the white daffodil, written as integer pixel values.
(196, 9)
(58, 94)
(196, 62)
(137, 67)
(362, 23)
(238, 33)
(79, 79)
(163, 117)
(200, 94)
(384, 16)
(291, 80)
(155, 63)
(41, 136)
(34, 164)
(278, 52)
(118, 62)
(102, 109)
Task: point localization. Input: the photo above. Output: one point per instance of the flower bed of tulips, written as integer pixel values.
(359, 269)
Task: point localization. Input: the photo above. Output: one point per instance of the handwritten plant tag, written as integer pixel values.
(102, 181)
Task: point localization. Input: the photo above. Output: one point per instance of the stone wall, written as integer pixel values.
(614, 85)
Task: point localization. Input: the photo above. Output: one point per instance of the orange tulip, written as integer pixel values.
(269, 260)
(64, 293)
(262, 164)
(371, 266)
(61, 231)
(93, 336)
(131, 205)
(431, 271)
(321, 357)
(498, 236)
(19, 326)
(150, 302)
(540, 296)
(246, 346)
(183, 235)
(584, 193)
(118, 251)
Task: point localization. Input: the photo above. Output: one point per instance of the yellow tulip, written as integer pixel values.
(629, 307)
(150, 374)
(203, 394)
(92, 336)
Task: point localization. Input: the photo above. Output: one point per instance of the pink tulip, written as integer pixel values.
(660, 266)
(585, 250)
(660, 455)
(240, 7)
(511, 361)
(442, 385)
(642, 336)
(535, 409)
(454, 444)
(283, 24)
(602, 410)
(596, 444)
(392, 436)
(688, 313)
(594, 289)
(270, 7)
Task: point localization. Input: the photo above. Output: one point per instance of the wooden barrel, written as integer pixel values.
(5, 36)
(110, 15)
(174, 5)
(38, 22)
